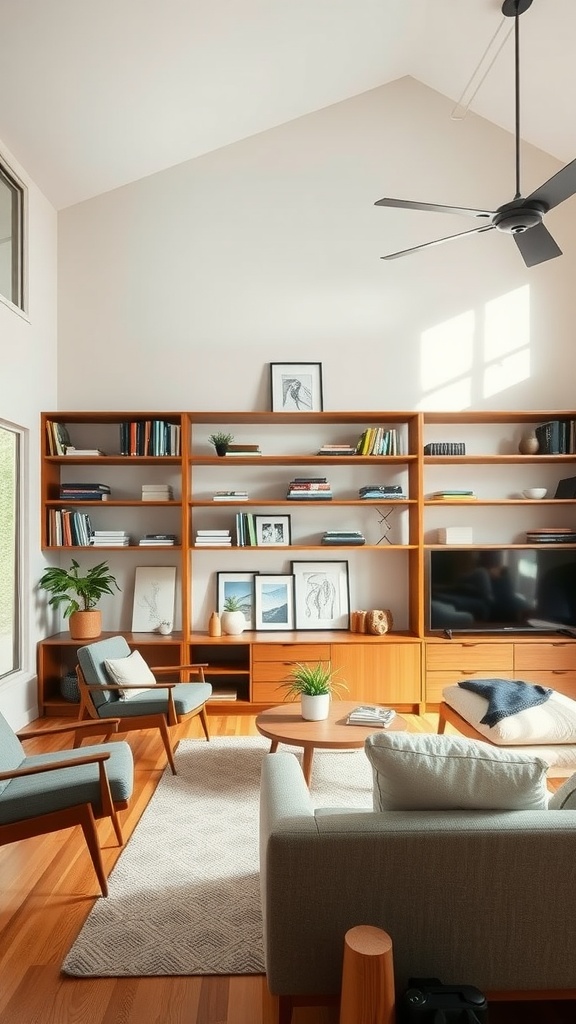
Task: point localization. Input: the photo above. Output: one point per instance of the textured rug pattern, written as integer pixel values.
(184, 896)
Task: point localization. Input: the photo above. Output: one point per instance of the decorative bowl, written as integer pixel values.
(535, 492)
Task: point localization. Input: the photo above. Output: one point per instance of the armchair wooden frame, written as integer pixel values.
(85, 814)
(447, 715)
(158, 721)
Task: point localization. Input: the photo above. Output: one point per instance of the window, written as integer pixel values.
(10, 640)
(11, 238)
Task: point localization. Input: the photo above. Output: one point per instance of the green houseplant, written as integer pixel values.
(221, 441)
(315, 685)
(233, 619)
(77, 596)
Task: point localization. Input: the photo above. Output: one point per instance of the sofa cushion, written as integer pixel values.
(129, 672)
(551, 722)
(426, 771)
(564, 799)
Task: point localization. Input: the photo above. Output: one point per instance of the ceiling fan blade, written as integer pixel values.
(405, 204)
(536, 245)
(439, 241)
(558, 188)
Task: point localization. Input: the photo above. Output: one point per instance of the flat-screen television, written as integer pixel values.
(492, 590)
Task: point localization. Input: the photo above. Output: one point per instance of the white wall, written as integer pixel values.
(28, 385)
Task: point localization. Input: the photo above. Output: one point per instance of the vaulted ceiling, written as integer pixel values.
(95, 96)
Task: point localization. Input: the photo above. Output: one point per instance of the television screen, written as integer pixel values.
(504, 589)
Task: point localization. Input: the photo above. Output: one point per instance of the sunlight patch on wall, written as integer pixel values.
(506, 341)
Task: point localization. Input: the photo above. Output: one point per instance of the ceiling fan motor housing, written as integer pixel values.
(516, 217)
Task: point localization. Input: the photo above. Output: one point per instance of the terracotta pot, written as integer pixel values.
(85, 625)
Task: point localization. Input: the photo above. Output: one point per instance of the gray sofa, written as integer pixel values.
(484, 898)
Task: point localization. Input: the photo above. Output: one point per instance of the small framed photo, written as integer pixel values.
(241, 586)
(273, 531)
(321, 595)
(296, 387)
(274, 601)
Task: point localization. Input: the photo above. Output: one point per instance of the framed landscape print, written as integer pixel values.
(274, 601)
(296, 387)
(321, 595)
(273, 531)
(239, 585)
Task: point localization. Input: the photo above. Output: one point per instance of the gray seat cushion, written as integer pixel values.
(187, 697)
(12, 752)
(67, 787)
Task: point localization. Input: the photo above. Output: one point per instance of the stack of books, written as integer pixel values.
(309, 488)
(453, 496)
(371, 714)
(84, 492)
(243, 450)
(157, 492)
(110, 539)
(165, 540)
(552, 535)
(230, 496)
(213, 538)
(381, 492)
(80, 453)
(337, 449)
(343, 537)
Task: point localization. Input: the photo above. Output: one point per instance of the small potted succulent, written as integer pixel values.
(233, 619)
(77, 596)
(315, 685)
(221, 441)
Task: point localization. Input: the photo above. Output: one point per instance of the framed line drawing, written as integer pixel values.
(239, 585)
(274, 601)
(154, 592)
(273, 531)
(296, 387)
(321, 595)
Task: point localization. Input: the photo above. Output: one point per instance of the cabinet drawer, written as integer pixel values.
(382, 673)
(563, 681)
(560, 655)
(436, 681)
(290, 653)
(467, 658)
(275, 671)
(267, 693)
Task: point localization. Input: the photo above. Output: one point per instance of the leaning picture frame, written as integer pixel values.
(241, 586)
(274, 601)
(273, 531)
(154, 594)
(321, 595)
(296, 387)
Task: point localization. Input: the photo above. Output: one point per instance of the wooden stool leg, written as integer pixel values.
(367, 977)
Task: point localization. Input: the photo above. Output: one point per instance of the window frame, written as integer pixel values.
(18, 553)
(17, 299)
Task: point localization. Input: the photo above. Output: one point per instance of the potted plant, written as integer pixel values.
(315, 685)
(221, 442)
(233, 620)
(77, 596)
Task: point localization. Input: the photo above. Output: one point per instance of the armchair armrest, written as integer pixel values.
(87, 728)
(38, 769)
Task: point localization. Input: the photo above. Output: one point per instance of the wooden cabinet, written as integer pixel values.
(550, 664)
(448, 661)
(272, 664)
(382, 672)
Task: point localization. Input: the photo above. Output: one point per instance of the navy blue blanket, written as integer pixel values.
(506, 696)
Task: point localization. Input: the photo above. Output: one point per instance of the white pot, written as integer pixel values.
(233, 623)
(315, 708)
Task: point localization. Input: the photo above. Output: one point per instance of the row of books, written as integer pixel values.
(149, 437)
(445, 448)
(556, 437)
(378, 441)
(68, 528)
(309, 488)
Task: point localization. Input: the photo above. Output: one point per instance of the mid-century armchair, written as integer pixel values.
(115, 682)
(47, 792)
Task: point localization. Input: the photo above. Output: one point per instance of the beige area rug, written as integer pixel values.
(184, 896)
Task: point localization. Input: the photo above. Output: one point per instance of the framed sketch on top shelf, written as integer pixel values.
(239, 585)
(296, 387)
(321, 595)
(274, 601)
(273, 531)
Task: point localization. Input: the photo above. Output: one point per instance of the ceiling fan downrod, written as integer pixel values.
(513, 9)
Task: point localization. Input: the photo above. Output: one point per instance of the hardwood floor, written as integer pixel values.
(48, 888)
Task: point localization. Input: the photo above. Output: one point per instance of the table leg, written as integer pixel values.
(273, 746)
(307, 764)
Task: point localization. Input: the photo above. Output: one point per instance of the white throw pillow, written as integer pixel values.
(426, 771)
(554, 721)
(130, 670)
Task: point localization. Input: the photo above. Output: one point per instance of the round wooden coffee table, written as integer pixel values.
(284, 724)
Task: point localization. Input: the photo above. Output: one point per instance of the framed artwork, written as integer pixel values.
(273, 531)
(239, 585)
(296, 387)
(321, 595)
(274, 601)
(154, 592)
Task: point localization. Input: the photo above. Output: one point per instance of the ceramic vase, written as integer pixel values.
(529, 444)
(315, 707)
(214, 625)
(233, 623)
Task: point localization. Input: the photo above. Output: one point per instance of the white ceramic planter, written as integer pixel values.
(233, 623)
(315, 708)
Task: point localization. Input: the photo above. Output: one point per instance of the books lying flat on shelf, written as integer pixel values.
(551, 535)
(243, 448)
(343, 537)
(81, 452)
(157, 492)
(230, 496)
(213, 538)
(371, 714)
(337, 449)
(309, 489)
(84, 492)
(158, 539)
(222, 693)
(382, 491)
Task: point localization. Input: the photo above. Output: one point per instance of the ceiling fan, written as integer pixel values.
(521, 217)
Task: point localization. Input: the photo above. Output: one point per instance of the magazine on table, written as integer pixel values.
(371, 714)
